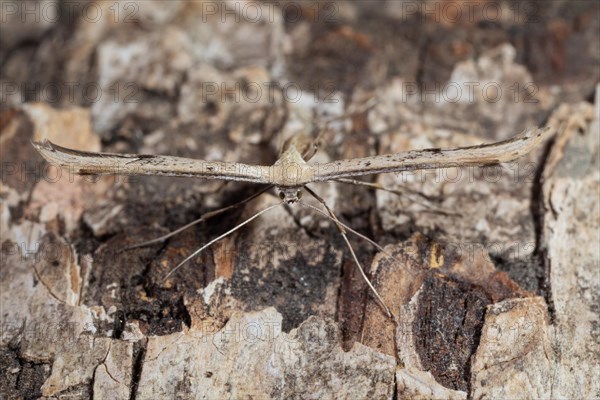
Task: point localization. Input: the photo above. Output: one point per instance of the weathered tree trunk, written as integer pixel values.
(492, 274)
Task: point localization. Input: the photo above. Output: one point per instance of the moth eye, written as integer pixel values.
(281, 195)
(299, 194)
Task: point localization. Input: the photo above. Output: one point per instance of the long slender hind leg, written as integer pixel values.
(411, 194)
(229, 232)
(345, 237)
(202, 218)
(347, 228)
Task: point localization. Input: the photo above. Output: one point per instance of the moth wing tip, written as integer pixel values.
(44, 144)
(536, 132)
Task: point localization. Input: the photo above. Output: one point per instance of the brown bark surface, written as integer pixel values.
(492, 273)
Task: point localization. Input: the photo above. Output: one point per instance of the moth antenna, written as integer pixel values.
(316, 143)
(229, 232)
(341, 228)
(410, 193)
(203, 217)
(366, 106)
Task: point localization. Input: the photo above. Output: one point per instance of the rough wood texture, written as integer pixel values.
(495, 271)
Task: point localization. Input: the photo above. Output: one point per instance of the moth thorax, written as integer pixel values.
(290, 194)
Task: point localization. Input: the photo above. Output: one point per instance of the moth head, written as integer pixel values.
(290, 194)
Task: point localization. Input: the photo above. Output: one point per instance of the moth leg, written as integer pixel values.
(413, 195)
(345, 237)
(229, 232)
(203, 217)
